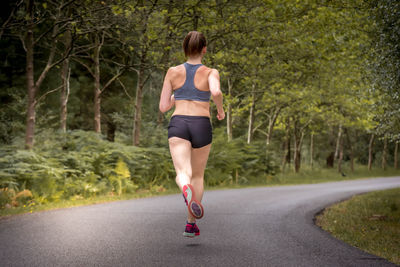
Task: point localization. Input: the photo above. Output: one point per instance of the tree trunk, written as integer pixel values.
(351, 151)
(271, 124)
(195, 19)
(229, 113)
(338, 141)
(384, 152)
(64, 93)
(289, 150)
(160, 118)
(298, 140)
(65, 75)
(340, 155)
(330, 160)
(138, 107)
(166, 53)
(251, 116)
(286, 147)
(396, 148)
(30, 114)
(111, 127)
(97, 86)
(296, 158)
(371, 143)
(312, 150)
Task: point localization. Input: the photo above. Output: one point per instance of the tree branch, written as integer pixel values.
(263, 132)
(49, 92)
(123, 86)
(116, 76)
(83, 64)
(49, 64)
(256, 128)
(9, 18)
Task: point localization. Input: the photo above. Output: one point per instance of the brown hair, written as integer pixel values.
(194, 43)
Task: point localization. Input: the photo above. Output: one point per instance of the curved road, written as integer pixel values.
(268, 226)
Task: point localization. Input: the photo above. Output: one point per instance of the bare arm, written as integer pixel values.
(214, 84)
(167, 100)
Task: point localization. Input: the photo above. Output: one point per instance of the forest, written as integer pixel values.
(307, 85)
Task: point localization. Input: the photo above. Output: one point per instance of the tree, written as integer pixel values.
(48, 21)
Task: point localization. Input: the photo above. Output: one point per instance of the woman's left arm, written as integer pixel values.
(167, 100)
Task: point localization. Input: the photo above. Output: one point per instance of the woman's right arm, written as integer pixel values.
(214, 85)
(167, 100)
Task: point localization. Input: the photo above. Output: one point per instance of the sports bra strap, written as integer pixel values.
(188, 91)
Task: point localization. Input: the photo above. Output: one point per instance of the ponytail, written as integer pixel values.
(194, 43)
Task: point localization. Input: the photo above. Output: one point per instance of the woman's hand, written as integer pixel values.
(221, 114)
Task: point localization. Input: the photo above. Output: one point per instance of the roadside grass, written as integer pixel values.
(369, 221)
(312, 176)
(320, 175)
(305, 176)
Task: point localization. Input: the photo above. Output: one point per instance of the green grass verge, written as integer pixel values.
(369, 221)
(320, 175)
(305, 176)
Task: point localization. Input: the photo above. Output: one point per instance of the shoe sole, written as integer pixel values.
(191, 235)
(195, 208)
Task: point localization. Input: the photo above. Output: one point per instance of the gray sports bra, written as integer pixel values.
(188, 91)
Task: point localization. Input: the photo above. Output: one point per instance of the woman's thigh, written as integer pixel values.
(181, 152)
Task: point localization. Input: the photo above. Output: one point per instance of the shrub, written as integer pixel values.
(80, 164)
(238, 162)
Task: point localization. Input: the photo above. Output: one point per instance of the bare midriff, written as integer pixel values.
(192, 108)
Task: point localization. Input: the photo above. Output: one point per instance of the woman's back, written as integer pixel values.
(191, 89)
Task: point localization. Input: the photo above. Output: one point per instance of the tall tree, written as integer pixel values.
(97, 30)
(36, 23)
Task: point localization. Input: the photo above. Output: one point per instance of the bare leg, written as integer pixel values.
(199, 159)
(189, 164)
(181, 154)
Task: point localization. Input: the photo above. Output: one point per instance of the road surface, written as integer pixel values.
(264, 226)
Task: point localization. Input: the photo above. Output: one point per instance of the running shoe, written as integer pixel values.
(191, 230)
(196, 230)
(185, 199)
(195, 208)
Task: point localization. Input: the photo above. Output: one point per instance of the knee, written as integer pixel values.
(198, 178)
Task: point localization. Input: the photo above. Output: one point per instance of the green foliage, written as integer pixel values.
(120, 181)
(80, 163)
(385, 64)
(237, 162)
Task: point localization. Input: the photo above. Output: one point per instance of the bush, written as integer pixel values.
(80, 164)
(238, 162)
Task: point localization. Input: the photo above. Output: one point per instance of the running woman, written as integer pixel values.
(188, 87)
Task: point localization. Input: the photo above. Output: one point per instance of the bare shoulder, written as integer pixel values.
(214, 73)
(176, 70)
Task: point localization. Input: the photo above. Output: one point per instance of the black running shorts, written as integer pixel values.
(196, 129)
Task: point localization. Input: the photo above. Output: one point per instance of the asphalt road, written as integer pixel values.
(269, 226)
